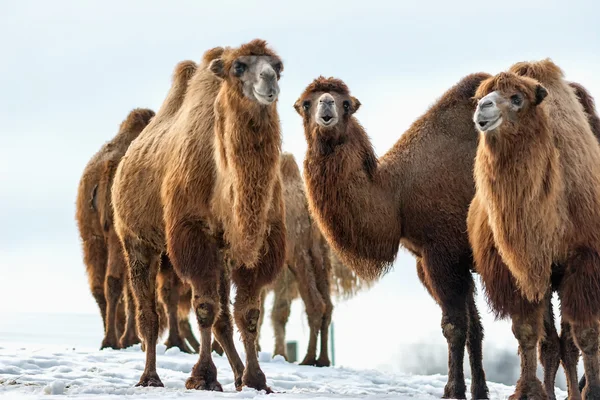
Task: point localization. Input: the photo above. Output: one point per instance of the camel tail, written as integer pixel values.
(589, 106)
(345, 284)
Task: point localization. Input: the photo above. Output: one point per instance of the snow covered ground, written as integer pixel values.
(33, 372)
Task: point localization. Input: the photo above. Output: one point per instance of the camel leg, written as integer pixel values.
(261, 318)
(95, 257)
(196, 258)
(549, 348)
(249, 283)
(322, 270)
(580, 305)
(223, 330)
(183, 314)
(528, 329)
(280, 312)
(113, 289)
(129, 336)
(479, 389)
(569, 355)
(168, 285)
(313, 303)
(143, 266)
(450, 285)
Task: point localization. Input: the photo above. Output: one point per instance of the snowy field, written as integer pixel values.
(55, 355)
(34, 372)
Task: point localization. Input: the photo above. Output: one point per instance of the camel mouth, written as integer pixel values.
(488, 125)
(327, 120)
(265, 99)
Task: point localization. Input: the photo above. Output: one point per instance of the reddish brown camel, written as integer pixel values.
(535, 218)
(102, 253)
(206, 182)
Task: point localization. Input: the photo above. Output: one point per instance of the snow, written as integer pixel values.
(38, 371)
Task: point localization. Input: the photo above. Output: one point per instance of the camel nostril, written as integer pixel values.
(482, 123)
(486, 104)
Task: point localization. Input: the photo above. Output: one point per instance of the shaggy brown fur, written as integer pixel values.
(417, 194)
(536, 216)
(102, 252)
(203, 183)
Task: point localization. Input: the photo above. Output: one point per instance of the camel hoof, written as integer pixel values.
(256, 380)
(323, 363)
(532, 390)
(309, 361)
(150, 380)
(480, 392)
(454, 390)
(199, 383)
(110, 344)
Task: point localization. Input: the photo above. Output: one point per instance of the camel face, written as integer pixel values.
(506, 98)
(327, 104)
(256, 76)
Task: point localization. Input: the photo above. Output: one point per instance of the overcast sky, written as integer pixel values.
(70, 72)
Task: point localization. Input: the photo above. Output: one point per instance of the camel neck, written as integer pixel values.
(354, 209)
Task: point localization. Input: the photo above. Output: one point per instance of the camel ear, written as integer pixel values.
(355, 104)
(217, 67)
(298, 107)
(540, 94)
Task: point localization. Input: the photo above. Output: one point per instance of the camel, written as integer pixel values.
(101, 247)
(204, 187)
(417, 194)
(534, 219)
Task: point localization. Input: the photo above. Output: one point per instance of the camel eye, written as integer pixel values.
(346, 105)
(306, 105)
(278, 67)
(239, 68)
(516, 100)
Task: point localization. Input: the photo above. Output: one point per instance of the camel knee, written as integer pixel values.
(454, 332)
(526, 334)
(587, 339)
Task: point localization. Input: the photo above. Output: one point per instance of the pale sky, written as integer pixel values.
(72, 70)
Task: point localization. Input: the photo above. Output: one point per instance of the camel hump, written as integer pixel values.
(589, 106)
(137, 120)
(184, 71)
(543, 71)
(289, 166)
(212, 54)
(466, 88)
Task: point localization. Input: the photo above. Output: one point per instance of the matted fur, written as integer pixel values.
(589, 106)
(418, 195)
(102, 253)
(197, 188)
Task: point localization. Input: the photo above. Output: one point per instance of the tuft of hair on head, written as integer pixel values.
(288, 166)
(509, 81)
(544, 70)
(331, 84)
(137, 120)
(184, 71)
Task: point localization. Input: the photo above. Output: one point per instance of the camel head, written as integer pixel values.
(506, 99)
(327, 105)
(252, 71)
